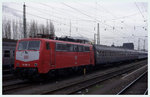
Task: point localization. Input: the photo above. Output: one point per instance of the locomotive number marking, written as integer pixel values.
(26, 57)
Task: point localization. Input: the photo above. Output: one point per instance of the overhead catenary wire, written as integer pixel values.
(62, 11)
(57, 17)
(89, 16)
(76, 27)
(35, 15)
(84, 14)
(58, 22)
(45, 11)
(139, 10)
(119, 17)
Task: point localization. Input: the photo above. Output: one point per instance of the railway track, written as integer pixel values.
(7, 71)
(87, 82)
(132, 87)
(146, 92)
(15, 84)
(73, 85)
(8, 77)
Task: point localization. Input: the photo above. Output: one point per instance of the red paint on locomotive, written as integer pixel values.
(47, 57)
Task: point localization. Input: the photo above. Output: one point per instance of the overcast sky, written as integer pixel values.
(129, 19)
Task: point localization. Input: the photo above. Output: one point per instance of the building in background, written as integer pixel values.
(128, 46)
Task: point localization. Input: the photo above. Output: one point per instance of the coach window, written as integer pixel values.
(102, 53)
(47, 46)
(13, 53)
(6, 53)
(106, 53)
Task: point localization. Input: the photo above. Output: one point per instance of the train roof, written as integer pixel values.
(104, 47)
(9, 40)
(43, 39)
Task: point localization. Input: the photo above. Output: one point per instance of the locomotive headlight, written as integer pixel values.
(17, 64)
(35, 64)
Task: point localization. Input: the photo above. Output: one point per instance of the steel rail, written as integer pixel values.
(129, 85)
(14, 85)
(145, 93)
(94, 80)
(61, 86)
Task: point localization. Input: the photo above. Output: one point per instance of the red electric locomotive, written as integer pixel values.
(40, 56)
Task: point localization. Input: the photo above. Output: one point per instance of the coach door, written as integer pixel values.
(52, 53)
(91, 56)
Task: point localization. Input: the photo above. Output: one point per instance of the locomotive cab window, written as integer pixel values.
(13, 53)
(29, 45)
(6, 53)
(47, 46)
(22, 45)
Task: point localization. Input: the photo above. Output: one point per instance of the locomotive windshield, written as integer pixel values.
(29, 45)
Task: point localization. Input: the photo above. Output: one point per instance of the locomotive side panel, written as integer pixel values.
(45, 57)
(72, 55)
(65, 55)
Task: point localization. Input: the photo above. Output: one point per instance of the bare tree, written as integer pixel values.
(47, 28)
(52, 29)
(13, 29)
(7, 28)
(20, 30)
(3, 28)
(33, 29)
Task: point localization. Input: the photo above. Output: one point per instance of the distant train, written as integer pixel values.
(37, 56)
(8, 55)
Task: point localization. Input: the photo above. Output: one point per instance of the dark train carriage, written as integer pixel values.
(8, 49)
(106, 54)
(142, 55)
